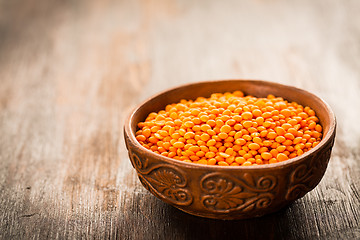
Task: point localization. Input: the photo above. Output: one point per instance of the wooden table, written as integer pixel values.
(71, 71)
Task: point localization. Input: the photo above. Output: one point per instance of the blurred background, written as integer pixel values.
(71, 71)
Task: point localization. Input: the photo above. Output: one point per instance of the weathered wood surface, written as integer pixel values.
(70, 72)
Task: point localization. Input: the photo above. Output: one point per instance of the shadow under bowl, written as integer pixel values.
(233, 192)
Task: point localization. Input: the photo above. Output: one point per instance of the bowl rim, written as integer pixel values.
(324, 141)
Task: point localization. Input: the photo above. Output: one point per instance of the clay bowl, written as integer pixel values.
(230, 192)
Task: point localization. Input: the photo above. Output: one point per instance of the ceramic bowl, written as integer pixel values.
(231, 192)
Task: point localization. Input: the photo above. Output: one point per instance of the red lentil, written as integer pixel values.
(231, 129)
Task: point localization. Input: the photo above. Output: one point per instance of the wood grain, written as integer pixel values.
(70, 72)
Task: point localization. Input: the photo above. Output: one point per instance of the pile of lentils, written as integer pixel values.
(230, 129)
